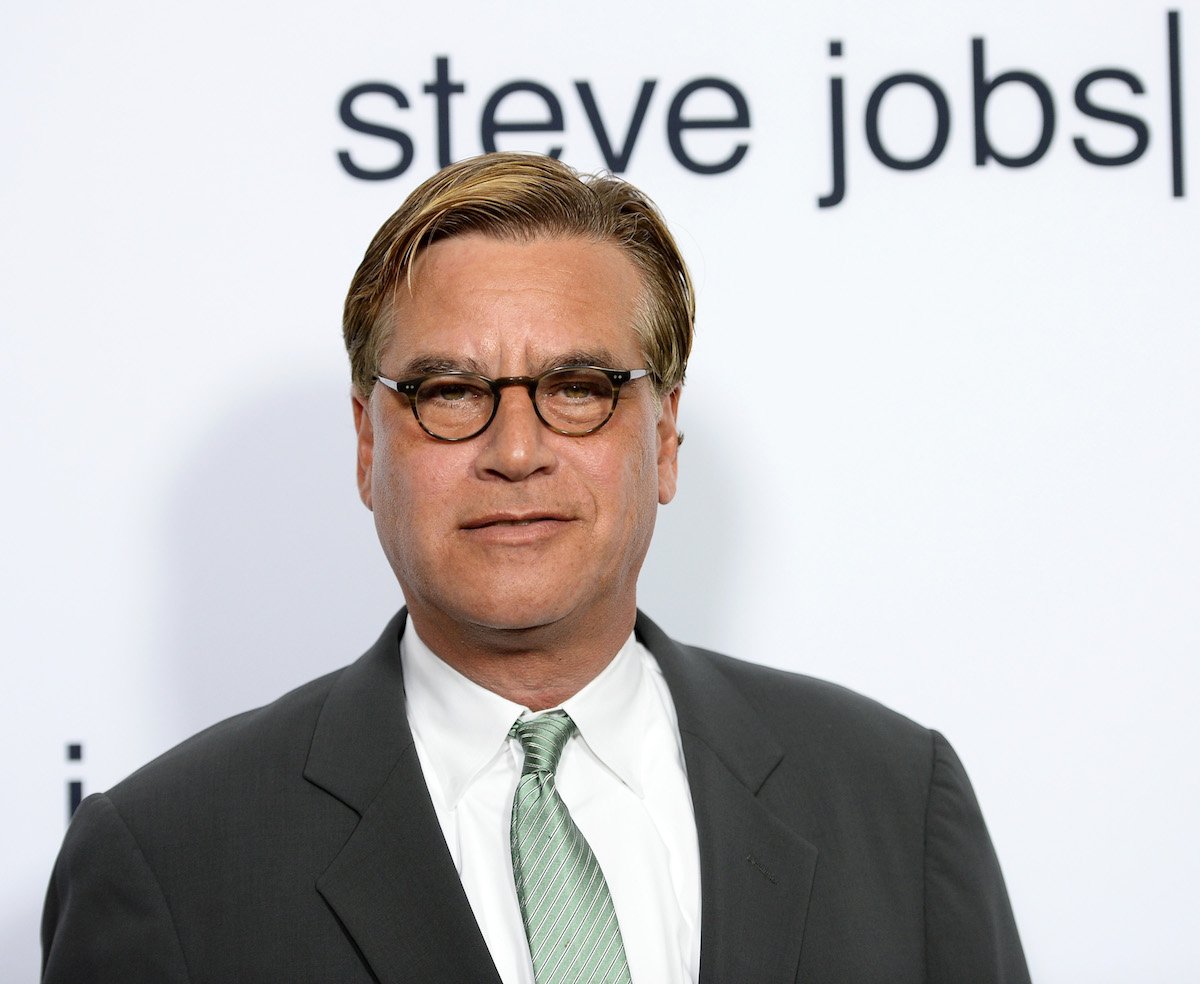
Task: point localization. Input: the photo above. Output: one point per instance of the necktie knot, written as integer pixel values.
(543, 739)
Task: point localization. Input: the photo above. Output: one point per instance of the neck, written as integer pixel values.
(539, 667)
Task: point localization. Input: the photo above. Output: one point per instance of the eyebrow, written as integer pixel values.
(429, 363)
(583, 357)
(423, 365)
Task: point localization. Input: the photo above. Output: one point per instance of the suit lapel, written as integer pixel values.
(393, 885)
(756, 872)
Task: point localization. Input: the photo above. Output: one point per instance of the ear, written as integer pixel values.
(668, 447)
(366, 446)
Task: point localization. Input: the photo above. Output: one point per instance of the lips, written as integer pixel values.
(515, 520)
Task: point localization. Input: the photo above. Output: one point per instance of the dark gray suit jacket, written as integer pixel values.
(839, 844)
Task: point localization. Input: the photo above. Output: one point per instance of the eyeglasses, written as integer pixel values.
(570, 400)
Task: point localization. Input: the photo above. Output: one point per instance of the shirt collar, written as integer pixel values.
(612, 716)
(464, 726)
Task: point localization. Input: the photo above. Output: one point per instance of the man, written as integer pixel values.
(524, 780)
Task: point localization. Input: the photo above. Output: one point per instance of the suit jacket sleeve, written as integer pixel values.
(106, 920)
(970, 931)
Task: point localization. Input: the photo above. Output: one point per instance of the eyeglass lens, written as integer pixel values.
(574, 401)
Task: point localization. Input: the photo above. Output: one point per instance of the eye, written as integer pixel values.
(452, 390)
(577, 386)
(576, 390)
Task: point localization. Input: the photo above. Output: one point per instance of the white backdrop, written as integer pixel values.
(942, 439)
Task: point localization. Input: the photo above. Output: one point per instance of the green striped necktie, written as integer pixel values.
(569, 917)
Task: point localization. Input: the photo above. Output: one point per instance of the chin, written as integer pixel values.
(526, 608)
(515, 617)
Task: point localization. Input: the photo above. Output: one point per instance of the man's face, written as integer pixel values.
(519, 527)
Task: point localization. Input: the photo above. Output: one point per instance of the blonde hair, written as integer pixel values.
(522, 196)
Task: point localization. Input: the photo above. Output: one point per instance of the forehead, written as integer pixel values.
(511, 305)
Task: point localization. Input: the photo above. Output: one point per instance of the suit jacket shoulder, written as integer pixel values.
(797, 707)
(294, 842)
(839, 825)
(258, 746)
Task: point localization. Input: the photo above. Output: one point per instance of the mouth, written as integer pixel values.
(502, 520)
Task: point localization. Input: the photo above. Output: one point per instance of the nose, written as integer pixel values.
(516, 445)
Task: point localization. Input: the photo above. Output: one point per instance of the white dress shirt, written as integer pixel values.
(621, 776)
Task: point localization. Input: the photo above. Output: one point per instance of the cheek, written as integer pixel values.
(629, 481)
(414, 496)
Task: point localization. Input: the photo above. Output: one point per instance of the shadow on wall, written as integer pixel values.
(273, 575)
(686, 582)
